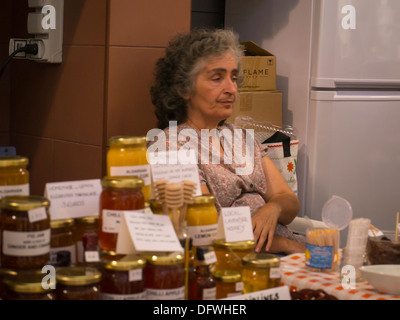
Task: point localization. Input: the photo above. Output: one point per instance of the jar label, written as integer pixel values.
(14, 190)
(62, 256)
(166, 294)
(239, 286)
(111, 220)
(133, 296)
(319, 256)
(135, 275)
(37, 214)
(203, 235)
(26, 244)
(275, 273)
(142, 171)
(209, 293)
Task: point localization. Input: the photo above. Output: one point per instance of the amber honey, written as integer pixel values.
(119, 194)
(14, 176)
(228, 283)
(230, 254)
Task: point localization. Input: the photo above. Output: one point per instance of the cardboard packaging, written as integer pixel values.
(260, 105)
(258, 67)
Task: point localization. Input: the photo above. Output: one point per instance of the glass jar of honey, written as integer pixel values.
(25, 232)
(230, 254)
(86, 240)
(123, 278)
(14, 177)
(4, 274)
(126, 156)
(119, 194)
(202, 220)
(165, 277)
(62, 244)
(78, 283)
(260, 271)
(228, 283)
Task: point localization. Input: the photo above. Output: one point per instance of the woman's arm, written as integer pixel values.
(281, 206)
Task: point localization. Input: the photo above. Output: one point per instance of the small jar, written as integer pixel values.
(228, 283)
(4, 274)
(127, 156)
(260, 271)
(202, 220)
(230, 254)
(62, 245)
(118, 194)
(78, 283)
(25, 232)
(14, 177)
(165, 277)
(123, 278)
(86, 240)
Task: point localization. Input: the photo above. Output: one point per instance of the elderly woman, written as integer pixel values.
(196, 85)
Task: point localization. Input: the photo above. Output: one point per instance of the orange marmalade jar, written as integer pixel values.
(119, 194)
(126, 156)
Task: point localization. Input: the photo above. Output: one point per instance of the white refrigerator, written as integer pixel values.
(353, 136)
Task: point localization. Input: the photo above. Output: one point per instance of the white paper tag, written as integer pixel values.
(210, 257)
(202, 235)
(73, 199)
(275, 273)
(146, 232)
(37, 214)
(141, 171)
(278, 293)
(234, 224)
(135, 275)
(26, 244)
(14, 190)
(92, 256)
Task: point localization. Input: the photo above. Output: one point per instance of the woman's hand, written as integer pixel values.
(264, 223)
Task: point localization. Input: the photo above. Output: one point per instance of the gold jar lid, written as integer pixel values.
(5, 272)
(25, 281)
(13, 161)
(127, 140)
(227, 275)
(25, 287)
(87, 220)
(123, 262)
(122, 182)
(237, 245)
(204, 199)
(161, 259)
(77, 276)
(24, 203)
(261, 260)
(55, 224)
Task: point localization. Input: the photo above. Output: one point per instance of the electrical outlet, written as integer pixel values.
(15, 44)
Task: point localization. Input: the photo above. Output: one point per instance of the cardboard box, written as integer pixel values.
(260, 105)
(258, 67)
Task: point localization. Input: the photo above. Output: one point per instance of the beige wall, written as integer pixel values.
(60, 116)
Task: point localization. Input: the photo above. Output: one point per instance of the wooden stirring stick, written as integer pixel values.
(174, 201)
(159, 193)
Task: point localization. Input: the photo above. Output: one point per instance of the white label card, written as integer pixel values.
(182, 166)
(278, 293)
(73, 199)
(37, 214)
(146, 232)
(234, 224)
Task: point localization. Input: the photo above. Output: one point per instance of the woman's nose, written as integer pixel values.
(230, 86)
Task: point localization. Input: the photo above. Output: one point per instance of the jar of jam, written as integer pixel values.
(260, 271)
(4, 274)
(86, 240)
(228, 283)
(119, 194)
(25, 232)
(126, 156)
(62, 244)
(202, 220)
(78, 283)
(123, 278)
(14, 177)
(165, 277)
(230, 254)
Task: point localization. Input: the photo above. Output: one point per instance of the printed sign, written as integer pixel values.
(234, 224)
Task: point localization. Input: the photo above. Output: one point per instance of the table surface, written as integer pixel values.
(295, 275)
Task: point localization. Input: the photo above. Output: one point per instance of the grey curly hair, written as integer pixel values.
(175, 73)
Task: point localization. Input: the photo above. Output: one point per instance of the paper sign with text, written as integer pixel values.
(278, 293)
(73, 199)
(146, 232)
(234, 224)
(175, 167)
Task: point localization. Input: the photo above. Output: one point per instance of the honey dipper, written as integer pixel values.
(174, 201)
(189, 188)
(159, 192)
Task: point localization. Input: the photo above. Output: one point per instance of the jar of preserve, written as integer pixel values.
(126, 156)
(14, 177)
(86, 240)
(62, 244)
(119, 194)
(260, 271)
(165, 277)
(202, 220)
(27, 285)
(4, 274)
(78, 283)
(25, 232)
(228, 283)
(230, 254)
(123, 278)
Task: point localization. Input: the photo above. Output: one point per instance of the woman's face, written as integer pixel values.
(215, 90)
